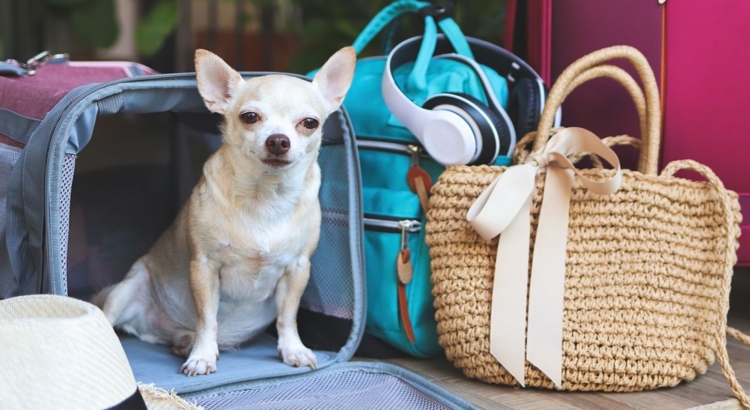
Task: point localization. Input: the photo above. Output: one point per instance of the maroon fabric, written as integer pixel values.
(33, 96)
(707, 86)
(4, 139)
(706, 81)
(580, 27)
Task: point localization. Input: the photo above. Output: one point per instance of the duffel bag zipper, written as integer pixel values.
(390, 224)
(418, 179)
(393, 147)
(404, 268)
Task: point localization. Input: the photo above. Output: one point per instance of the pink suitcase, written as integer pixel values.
(698, 51)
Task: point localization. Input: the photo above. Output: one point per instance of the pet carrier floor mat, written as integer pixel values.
(353, 385)
(153, 363)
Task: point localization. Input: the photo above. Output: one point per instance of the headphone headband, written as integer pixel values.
(442, 127)
(510, 67)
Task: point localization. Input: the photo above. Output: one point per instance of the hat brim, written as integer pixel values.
(159, 399)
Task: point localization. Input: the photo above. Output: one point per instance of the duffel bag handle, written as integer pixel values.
(650, 140)
(436, 11)
(417, 79)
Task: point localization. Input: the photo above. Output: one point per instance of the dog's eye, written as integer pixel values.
(310, 123)
(249, 117)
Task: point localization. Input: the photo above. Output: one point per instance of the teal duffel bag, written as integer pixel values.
(399, 300)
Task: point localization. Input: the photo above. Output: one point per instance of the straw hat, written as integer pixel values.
(61, 353)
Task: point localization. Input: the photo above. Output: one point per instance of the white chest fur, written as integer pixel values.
(251, 232)
(251, 258)
(252, 252)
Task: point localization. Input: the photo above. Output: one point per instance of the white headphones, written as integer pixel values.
(457, 128)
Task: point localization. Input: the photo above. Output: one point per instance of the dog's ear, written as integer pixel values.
(216, 80)
(335, 77)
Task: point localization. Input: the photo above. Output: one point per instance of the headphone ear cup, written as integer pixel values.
(501, 125)
(473, 109)
(523, 106)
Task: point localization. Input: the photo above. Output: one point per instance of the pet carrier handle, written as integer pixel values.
(607, 71)
(17, 68)
(417, 79)
(730, 257)
(649, 155)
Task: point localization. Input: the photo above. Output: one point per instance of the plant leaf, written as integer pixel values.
(95, 23)
(156, 27)
(64, 3)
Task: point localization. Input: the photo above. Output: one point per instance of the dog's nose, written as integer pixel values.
(277, 144)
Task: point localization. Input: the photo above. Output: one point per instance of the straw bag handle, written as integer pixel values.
(649, 155)
(606, 71)
(731, 257)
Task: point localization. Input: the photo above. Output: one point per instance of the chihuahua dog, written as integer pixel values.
(238, 254)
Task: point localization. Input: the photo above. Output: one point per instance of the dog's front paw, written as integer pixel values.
(298, 356)
(197, 365)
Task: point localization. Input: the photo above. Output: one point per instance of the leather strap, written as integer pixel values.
(424, 199)
(403, 309)
(420, 183)
(404, 271)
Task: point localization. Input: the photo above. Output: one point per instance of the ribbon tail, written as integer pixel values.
(508, 312)
(547, 290)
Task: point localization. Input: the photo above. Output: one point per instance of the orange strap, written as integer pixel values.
(420, 183)
(424, 199)
(403, 309)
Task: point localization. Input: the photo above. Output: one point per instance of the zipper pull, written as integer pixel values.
(418, 179)
(405, 272)
(403, 265)
(414, 151)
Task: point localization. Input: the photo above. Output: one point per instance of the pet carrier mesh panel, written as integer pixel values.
(356, 385)
(106, 171)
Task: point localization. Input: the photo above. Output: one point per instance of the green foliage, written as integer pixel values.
(153, 30)
(95, 23)
(327, 28)
(65, 3)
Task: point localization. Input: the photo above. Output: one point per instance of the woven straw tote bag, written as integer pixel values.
(600, 279)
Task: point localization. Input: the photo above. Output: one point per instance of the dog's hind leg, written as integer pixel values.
(183, 343)
(115, 299)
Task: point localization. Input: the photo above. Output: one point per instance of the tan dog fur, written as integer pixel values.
(245, 236)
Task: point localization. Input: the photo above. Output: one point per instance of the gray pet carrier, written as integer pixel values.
(86, 190)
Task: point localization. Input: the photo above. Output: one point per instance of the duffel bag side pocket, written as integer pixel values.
(400, 302)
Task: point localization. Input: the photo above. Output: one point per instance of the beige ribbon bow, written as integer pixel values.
(504, 207)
